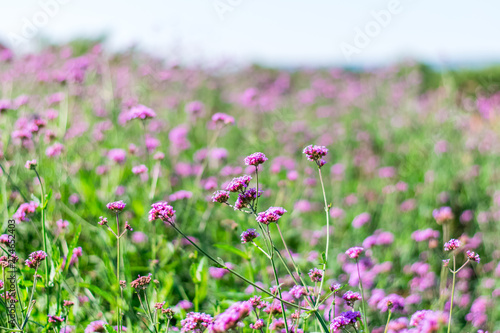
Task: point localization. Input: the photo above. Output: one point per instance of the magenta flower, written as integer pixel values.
(257, 325)
(350, 297)
(249, 235)
(117, 155)
(222, 118)
(272, 214)
(196, 322)
(316, 154)
(316, 275)
(30, 164)
(354, 252)
(24, 209)
(239, 183)
(473, 256)
(255, 159)
(140, 112)
(391, 302)
(161, 211)
(116, 206)
(35, 259)
(442, 214)
(230, 318)
(361, 220)
(220, 196)
(54, 150)
(140, 169)
(452, 244)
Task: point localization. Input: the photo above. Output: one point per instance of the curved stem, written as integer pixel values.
(452, 294)
(327, 233)
(388, 320)
(118, 314)
(44, 237)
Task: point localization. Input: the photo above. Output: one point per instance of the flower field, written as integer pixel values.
(144, 196)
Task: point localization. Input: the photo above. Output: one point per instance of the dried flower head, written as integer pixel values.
(141, 283)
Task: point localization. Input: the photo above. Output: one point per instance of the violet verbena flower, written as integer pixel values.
(345, 319)
(473, 256)
(316, 275)
(140, 169)
(255, 159)
(335, 287)
(35, 259)
(246, 198)
(116, 206)
(391, 302)
(452, 244)
(354, 252)
(442, 214)
(316, 154)
(220, 196)
(196, 322)
(239, 183)
(249, 235)
(140, 112)
(55, 319)
(350, 297)
(230, 318)
(30, 165)
(222, 118)
(272, 214)
(162, 211)
(257, 325)
(298, 291)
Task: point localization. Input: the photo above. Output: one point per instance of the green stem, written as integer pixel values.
(363, 296)
(327, 234)
(118, 303)
(44, 237)
(452, 293)
(388, 319)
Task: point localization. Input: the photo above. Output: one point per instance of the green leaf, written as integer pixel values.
(233, 249)
(72, 247)
(109, 328)
(107, 296)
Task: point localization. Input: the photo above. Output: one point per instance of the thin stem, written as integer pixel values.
(118, 314)
(31, 299)
(327, 233)
(452, 293)
(257, 179)
(388, 319)
(363, 296)
(262, 250)
(44, 237)
(149, 308)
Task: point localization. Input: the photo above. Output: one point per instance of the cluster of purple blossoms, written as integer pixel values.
(255, 159)
(140, 112)
(473, 256)
(428, 321)
(345, 319)
(335, 287)
(298, 291)
(350, 297)
(55, 150)
(163, 211)
(442, 214)
(95, 326)
(452, 244)
(230, 318)
(424, 235)
(272, 214)
(55, 319)
(220, 196)
(391, 302)
(249, 235)
(316, 275)
(142, 282)
(35, 259)
(316, 154)
(222, 118)
(354, 252)
(196, 322)
(30, 164)
(246, 198)
(239, 183)
(116, 206)
(25, 209)
(257, 325)
(140, 169)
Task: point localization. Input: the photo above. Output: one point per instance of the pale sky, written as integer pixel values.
(275, 32)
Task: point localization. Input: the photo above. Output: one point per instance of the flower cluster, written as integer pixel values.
(272, 214)
(230, 318)
(473, 256)
(345, 319)
(141, 283)
(116, 206)
(316, 153)
(350, 297)
(35, 259)
(452, 244)
(239, 184)
(316, 275)
(196, 322)
(354, 252)
(249, 235)
(255, 159)
(220, 196)
(140, 112)
(162, 211)
(25, 209)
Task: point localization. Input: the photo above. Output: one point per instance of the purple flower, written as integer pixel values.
(222, 118)
(30, 164)
(230, 318)
(117, 155)
(140, 169)
(54, 150)
(361, 220)
(316, 275)
(239, 183)
(35, 259)
(473, 256)
(258, 324)
(391, 302)
(273, 214)
(140, 112)
(244, 199)
(248, 236)
(298, 291)
(442, 214)
(452, 244)
(196, 322)
(315, 153)
(350, 297)
(345, 319)
(255, 159)
(220, 196)
(354, 252)
(161, 211)
(116, 206)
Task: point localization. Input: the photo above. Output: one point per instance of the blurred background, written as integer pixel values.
(285, 33)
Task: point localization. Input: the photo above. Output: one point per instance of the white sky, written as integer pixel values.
(278, 32)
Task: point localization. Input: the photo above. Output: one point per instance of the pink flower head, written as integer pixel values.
(249, 235)
(361, 220)
(141, 112)
(473, 256)
(117, 155)
(350, 297)
(195, 108)
(316, 275)
(140, 169)
(24, 209)
(273, 214)
(54, 150)
(116, 206)
(239, 183)
(316, 154)
(161, 211)
(196, 322)
(220, 196)
(442, 214)
(30, 165)
(222, 118)
(35, 259)
(354, 252)
(255, 159)
(231, 318)
(452, 244)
